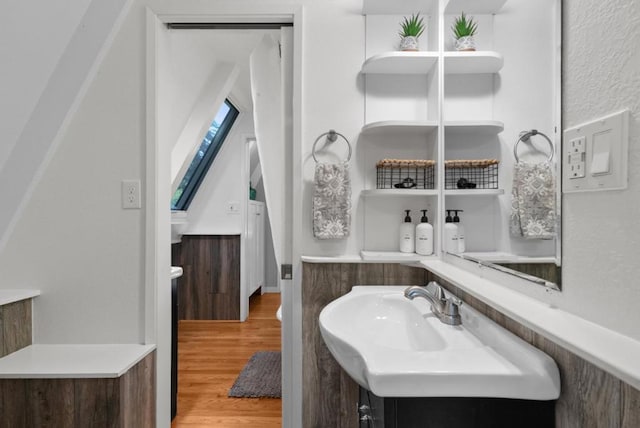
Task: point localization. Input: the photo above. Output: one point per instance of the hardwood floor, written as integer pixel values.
(211, 354)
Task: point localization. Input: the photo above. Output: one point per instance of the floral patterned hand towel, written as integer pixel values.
(533, 201)
(332, 201)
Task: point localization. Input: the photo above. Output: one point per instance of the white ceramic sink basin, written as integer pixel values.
(395, 347)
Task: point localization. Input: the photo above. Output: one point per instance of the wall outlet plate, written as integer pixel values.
(594, 155)
(130, 193)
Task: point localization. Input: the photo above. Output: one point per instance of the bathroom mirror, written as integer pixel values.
(516, 227)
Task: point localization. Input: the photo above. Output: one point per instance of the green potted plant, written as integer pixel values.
(411, 28)
(463, 31)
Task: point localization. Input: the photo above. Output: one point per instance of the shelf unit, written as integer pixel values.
(395, 136)
(478, 62)
(442, 104)
(398, 126)
(474, 127)
(393, 256)
(400, 63)
(483, 7)
(474, 192)
(399, 192)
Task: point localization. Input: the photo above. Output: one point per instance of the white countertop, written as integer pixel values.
(607, 349)
(11, 296)
(368, 257)
(72, 361)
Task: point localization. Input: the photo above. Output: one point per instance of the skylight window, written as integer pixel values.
(203, 159)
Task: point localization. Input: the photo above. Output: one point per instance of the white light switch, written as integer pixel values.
(601, 153)
(595, 154)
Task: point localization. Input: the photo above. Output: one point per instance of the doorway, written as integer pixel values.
(157, 311)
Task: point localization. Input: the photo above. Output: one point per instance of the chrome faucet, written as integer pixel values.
(446, 309)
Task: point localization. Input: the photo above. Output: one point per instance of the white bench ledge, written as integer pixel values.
(72, 361)
(12, 296)
(606, 349)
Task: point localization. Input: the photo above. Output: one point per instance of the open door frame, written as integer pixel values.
(157, 310)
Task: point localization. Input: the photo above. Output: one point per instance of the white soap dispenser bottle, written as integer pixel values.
(407, 234)
(450, 235)
(462, 247)
(424, 236)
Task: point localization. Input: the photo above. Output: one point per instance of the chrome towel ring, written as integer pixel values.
(525, 136)
(332, 136)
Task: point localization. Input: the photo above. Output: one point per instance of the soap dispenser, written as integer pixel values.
(424, 236)
(450, 235)
(407, 234)
(461, 243)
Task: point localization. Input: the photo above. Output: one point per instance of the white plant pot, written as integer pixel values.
(409, 43)
(466, 43)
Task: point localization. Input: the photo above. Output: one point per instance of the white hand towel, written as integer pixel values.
(533, 201)
(332, 201)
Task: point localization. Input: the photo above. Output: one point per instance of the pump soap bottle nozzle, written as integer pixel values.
(407, 218)
(456, 219)
(448, 219)
(424, 218)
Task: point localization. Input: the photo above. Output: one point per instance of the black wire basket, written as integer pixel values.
(471, 174)
(405, 174)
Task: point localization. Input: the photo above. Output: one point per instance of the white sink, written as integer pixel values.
(395, 347)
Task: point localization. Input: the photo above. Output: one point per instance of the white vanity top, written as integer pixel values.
(11, 296)
(72, 361)
(607, 349)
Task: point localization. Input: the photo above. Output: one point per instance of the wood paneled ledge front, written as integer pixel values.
(78, 386)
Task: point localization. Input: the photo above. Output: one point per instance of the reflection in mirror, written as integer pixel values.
(516, 227)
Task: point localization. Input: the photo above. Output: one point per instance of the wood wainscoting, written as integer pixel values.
(15, 326)
(126, 401)
(209, 288)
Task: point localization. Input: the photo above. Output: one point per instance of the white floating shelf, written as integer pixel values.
(397, 7)
(474, 192)
(400, 63)
(399, 126)
(399, 192)
(477, 62)
(393, 256)
(483, 127)
(454, 7)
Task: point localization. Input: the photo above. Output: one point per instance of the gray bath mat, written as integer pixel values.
(260, 377)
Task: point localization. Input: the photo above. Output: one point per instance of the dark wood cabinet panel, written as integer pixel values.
(209, 288)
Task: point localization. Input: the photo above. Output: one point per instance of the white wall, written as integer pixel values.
(25, 71)
(51, 96)
(73, 241)
(601, 230)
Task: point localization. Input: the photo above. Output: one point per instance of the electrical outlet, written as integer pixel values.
(577, 157)
(131, 194)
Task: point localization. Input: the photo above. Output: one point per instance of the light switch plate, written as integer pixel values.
(595, 154)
